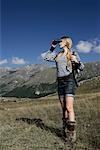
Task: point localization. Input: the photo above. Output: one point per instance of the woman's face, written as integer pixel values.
(62, 43)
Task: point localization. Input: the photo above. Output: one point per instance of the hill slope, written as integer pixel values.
(37, 80)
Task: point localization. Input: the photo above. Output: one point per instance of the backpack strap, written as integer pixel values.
(73, 72)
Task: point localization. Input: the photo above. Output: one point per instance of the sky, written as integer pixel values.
(27, 28)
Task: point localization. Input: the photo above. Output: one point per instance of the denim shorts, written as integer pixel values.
(66, 86)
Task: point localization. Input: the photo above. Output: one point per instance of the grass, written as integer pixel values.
(90, 86)
(30, 124)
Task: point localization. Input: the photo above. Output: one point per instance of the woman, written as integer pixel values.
(66, 83)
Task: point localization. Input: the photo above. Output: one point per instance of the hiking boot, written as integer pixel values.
(72, 136)
(65, 120)
(71, 132)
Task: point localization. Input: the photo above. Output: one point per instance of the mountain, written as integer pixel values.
(4, 71)
(10, 79)
(38, 80)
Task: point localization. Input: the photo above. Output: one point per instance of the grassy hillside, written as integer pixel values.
(89, 86)
(32, 79)
(37, 125)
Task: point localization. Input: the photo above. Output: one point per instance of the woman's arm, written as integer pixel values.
(49, 56)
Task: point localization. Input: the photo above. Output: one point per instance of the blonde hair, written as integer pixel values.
(68, 58)
(68, 42)
(68, 55)
(69, 45)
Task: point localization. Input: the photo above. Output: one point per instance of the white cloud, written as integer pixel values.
(97, 49)
(4, 61)
(88, 46)
(18, 61)
(84, 46)
(96, 45)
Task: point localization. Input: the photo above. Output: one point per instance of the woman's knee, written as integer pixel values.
(70, 109)
(69, 104)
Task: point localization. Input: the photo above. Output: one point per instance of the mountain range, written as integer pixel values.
(38, 80)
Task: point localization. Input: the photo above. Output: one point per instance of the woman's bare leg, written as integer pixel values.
(70, 108)
(71, 124)
(63, 106)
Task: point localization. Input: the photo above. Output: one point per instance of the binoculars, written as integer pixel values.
(56, 42)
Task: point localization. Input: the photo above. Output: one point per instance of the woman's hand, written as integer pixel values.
(54, 43)
(74, 59)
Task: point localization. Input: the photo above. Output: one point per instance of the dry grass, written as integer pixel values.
(36, 124)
